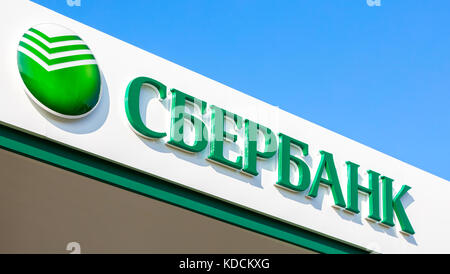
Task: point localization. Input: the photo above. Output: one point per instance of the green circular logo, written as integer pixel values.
(59, 71)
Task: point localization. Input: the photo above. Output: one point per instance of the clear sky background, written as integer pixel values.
(378, 75)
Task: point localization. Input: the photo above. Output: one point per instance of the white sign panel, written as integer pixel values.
(107, 132)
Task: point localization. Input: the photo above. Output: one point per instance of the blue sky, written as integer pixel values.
(378, 75)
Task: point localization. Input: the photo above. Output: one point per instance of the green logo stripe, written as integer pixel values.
(54, 50)
(55, 39)
(59, 60)
(71, 91)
